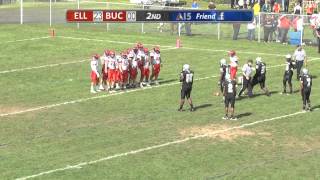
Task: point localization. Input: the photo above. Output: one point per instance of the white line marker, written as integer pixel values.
(43, 66)
(57, 64)
(90, 98)
(80, 165)
(191, 48)
(30, 39)
(106, 95)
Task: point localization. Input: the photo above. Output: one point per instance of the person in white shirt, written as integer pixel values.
(251, 30)
(300, 57)
(246, 78)
(297, 9)
(94, 64)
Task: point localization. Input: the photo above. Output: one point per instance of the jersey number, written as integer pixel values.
(189, 78)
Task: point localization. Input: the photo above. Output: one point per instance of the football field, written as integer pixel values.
(51, 127)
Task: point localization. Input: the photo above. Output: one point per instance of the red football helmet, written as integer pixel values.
(156, 49)
(146, 50)
(232, 53)
(96, 56)
(139, 45)
(107, 52)
(112, 53)
(124, 54)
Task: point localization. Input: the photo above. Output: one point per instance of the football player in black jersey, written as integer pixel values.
(186, 77)
(230, 92)
(260, 76)
(287, 77)
(305, 87)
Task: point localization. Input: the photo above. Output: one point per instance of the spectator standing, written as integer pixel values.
(262, 2)
(211, 5)
(195, 5)
(251, 30)
(284, 28)
(266, 7)
(297, 9)
(241, 4)
(267, 28)
(272, 2)
(236, 29)
(256, 10)
(276, 7)
(286, 5)
(274, 23)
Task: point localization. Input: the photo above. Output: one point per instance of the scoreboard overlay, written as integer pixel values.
(138, 16)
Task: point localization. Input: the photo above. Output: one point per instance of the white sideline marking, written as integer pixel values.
(53, 65)
(111, 41)
(43, 66)
(80, 165)
(91, 98)
(30, 39)
(201, 49)
(106, 95)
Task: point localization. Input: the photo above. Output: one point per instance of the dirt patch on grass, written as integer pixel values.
(221, 132)
(10, 109)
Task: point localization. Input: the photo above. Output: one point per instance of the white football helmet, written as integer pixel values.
(223, 62)
(259, 60)
(305, 71)
(186, 67)
(288, 56)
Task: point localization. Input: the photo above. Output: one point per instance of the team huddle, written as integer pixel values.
(120, 71)
(228, 81)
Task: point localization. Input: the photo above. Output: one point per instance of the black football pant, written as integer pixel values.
(287, 78)
(246, 84)
(299, 65)
(306, 98)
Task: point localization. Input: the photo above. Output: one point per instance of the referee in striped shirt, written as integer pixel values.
(300, 57)
(246, 78)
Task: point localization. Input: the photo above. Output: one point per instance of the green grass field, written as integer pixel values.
(53, 128)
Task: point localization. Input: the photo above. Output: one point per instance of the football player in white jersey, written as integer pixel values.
(146, 67)
(124, 70)
(104, 72)
(94, 74)
(140, 60)
(118, 72)
(156, 64)
(111, 65)
(133, 69)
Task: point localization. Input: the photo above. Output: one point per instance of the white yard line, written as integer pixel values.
(80, 165)
(30, 39)
(43, 66)
(91, 98)
(57, 64)
(111, 41)
(107, 95)
(191, 48)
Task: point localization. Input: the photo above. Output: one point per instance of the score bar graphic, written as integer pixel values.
(137, 16)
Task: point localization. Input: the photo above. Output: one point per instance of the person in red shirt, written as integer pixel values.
(284, 28)
(276, 7)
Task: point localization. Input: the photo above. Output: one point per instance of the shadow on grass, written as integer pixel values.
(263, 94)
(244, 115)
(315, 107)
(167, 81)
(202, 106)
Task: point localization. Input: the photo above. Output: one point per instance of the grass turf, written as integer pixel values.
(69, 134)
